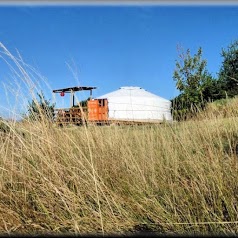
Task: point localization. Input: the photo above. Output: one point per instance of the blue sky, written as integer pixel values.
(114, 46)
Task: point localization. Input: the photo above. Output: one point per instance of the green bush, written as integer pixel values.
(4, 126)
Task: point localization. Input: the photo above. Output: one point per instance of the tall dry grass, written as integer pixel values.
(168, 178)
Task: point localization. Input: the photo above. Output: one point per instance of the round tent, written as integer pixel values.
(137, 104)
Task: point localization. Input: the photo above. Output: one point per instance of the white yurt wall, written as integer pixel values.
(135, 103)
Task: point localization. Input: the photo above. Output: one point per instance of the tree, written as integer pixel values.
(84, 103)
(228, 75)
(195, 84)
(212, 89)
(40, 109)
(190, 74)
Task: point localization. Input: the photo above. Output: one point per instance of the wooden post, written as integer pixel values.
(91, 94)
(71, 98)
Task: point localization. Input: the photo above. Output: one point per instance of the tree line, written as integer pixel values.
(197, 86)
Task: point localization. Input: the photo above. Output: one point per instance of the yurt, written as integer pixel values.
(137, 104)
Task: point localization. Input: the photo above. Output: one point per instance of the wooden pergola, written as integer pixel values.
(72, 90)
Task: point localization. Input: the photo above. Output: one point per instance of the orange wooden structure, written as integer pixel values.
(95, 110)
(98, 110)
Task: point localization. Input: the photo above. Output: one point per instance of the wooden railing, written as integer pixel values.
(75, 115)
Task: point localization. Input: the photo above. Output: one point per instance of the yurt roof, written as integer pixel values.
(131, 92)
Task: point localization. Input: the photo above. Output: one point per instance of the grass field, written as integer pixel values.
(176, 178)
(170, 178)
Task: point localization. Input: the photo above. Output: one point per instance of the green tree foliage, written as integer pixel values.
(228, 75)
(195, 84)
(84, 103)
(4, 125)
(40, 109)
(212, 89)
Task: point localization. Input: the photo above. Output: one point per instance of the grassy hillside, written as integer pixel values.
(178, 178)
(223, 108)
(168, 178)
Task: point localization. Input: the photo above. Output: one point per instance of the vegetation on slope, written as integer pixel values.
(168, 178)
(179, 178)
(198, 87)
